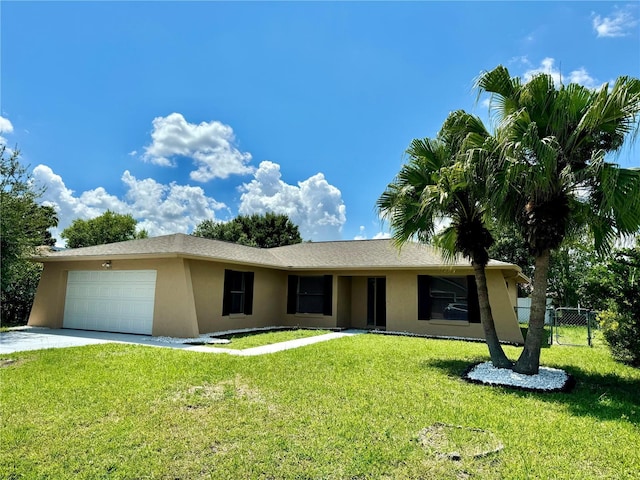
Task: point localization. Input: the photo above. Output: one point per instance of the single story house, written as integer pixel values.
(182, 286)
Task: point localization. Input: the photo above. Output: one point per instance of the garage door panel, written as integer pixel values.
(118, 301)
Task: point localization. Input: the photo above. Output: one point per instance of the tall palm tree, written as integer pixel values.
(553, 177)
(436, 183)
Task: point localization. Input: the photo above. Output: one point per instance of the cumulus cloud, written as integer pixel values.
(619, 23)
(362, 234)
(5, 127)
(160, 209)
(314, 205)
(210, 145)
(380, 235)
(547, 66)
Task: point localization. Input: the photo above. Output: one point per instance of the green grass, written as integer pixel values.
(577, 335)
(241, 341)
(367, 406)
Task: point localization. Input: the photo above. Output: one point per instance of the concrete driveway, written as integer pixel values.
(38, 338)
(35, 338)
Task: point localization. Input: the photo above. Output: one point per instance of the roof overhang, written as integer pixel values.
(509, 271)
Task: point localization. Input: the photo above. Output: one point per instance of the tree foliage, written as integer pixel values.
(553, 179)
(265, 231)
(440, 182)
(24, 226)
(109, 227)
(614, 288)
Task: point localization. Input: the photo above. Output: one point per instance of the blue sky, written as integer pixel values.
(179, 112)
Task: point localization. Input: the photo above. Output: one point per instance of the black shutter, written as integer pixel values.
(473, 306)
(248, 293)
(424, 297)
(327, 295)
(226, 297)
(292, 294)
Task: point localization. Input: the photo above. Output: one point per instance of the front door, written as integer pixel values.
(377, 302)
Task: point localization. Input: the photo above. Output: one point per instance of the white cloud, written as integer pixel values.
(381, 235)
(5, 127)
(547, 66)
(314, 205)
(209, 144)
(362, 235)
(618, 24)
(160, 209)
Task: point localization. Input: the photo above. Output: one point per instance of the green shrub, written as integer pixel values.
(617, 286)
(622, 333)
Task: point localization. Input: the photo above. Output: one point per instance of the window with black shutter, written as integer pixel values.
(448, 298)
(238, 293)
(310, 294)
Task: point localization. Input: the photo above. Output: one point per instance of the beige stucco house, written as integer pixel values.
(181, 285)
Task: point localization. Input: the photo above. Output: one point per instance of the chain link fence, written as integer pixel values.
(566, 325)
(574, 326)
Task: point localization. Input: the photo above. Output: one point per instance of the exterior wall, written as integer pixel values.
(503, 302)
(174, 312)
(48, 304)
(269, 297)
(402, 305)
(344, 302)
(402, 309)
(189, 296)
(512, 288)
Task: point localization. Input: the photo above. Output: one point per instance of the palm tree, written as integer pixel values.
(553, 177)
(437, 183)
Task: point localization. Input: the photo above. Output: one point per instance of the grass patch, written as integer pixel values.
(546, 334)
(355, 407)
(241, 341)
(577, 335)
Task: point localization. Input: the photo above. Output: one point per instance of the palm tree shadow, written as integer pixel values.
(603, 396)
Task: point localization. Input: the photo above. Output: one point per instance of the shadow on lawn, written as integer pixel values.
(604, 396)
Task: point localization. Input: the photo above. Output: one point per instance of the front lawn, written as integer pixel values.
(242, 341)
(367, 406)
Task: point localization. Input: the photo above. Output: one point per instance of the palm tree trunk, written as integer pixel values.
(498, 357)
(529, 361)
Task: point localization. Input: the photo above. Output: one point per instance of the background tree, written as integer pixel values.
(24, 226)
(613, 287)
(509, 246)
(109, 227)
(568, 266)
(264, 231)
(554, 179)
(434, 184)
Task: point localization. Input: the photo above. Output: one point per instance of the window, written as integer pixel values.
(448, 298)
(238, 293)
(310, 294)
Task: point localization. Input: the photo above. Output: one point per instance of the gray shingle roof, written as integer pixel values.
(353, 254)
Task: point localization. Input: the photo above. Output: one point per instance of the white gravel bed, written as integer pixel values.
(547, 379)
(204, 338)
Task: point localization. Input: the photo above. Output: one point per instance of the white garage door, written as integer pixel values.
(112, 301)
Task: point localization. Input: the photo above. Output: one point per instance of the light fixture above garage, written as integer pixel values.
(107, 264)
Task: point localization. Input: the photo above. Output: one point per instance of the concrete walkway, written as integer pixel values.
(276, 347)
(37, 338)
